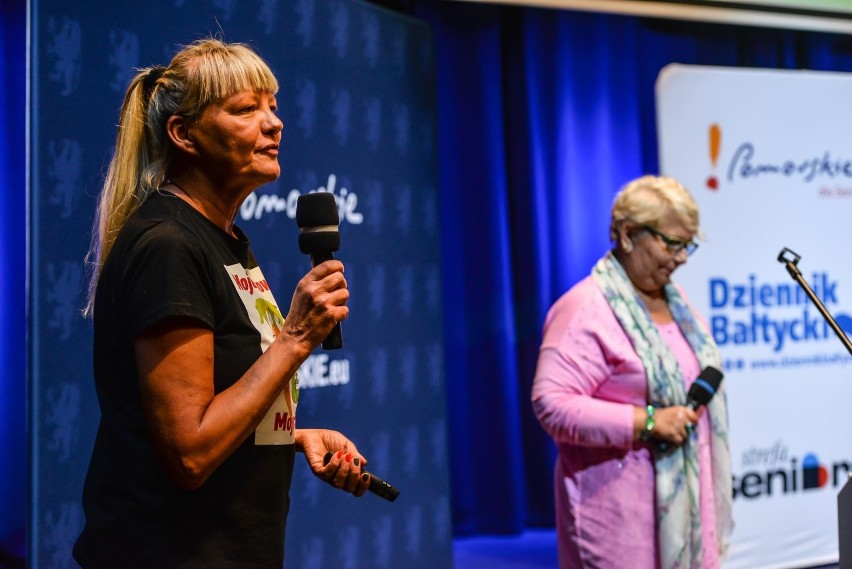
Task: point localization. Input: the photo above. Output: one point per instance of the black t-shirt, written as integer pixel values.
(169, 260)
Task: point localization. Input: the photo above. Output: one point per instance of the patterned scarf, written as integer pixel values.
(677, 485)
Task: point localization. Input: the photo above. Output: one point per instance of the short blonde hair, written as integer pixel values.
(647, 200)
(202, 73)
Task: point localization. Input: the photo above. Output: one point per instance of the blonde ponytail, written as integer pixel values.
(124, 188)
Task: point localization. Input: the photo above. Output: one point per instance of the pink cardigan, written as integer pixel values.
(587, 382)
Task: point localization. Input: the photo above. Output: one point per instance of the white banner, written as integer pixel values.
(768, 157)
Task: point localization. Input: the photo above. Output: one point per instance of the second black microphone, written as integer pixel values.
(377, 486)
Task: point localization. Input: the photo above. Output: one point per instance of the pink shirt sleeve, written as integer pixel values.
(588, 378)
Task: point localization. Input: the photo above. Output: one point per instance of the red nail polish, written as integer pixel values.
(339, 453)
(348, 457)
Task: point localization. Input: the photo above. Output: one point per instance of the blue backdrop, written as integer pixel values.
(358, 101)
(542, 115)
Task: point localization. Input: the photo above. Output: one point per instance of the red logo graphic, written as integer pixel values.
(814, 474)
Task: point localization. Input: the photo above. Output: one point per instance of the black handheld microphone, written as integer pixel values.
(704, 387)
(700, 393)
(316, 215)
(377, 486)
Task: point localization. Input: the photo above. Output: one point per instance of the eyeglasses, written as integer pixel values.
(673, 244)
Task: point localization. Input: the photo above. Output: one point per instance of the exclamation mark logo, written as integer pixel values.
(715, 144)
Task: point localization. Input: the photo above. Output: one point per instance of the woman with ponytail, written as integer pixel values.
(195, 447)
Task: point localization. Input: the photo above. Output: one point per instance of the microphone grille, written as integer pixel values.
(316, 209)
(705, 385)
(712, 376)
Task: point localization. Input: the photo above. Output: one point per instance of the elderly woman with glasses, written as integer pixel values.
(641, 479)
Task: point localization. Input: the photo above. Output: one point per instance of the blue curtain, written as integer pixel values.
(13, 270)
(543, 115)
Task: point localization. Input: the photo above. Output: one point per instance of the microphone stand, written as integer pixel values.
(790, 260)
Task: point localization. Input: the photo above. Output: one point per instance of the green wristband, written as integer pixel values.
(649, 422)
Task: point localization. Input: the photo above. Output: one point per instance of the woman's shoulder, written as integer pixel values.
(161, 206)
(582, 322)
(157, 221)
(584, 294)
(155, 230)
(164, 217)
(582, 306)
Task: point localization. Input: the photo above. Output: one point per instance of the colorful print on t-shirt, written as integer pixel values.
(278, 427)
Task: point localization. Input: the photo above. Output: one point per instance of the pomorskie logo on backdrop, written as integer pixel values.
(751, 312)
(748, 164)
(774, 471)
(256, 206)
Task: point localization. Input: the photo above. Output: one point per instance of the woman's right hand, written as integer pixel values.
(673, 424)
(318, 304)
